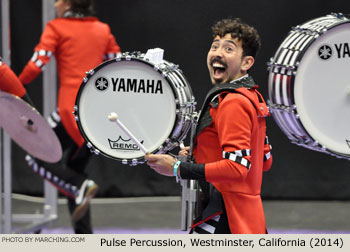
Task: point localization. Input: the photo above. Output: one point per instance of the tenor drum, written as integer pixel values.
(154, 101)
(309, 85)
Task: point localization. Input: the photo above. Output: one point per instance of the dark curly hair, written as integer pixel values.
(241, 31)
(84, 7)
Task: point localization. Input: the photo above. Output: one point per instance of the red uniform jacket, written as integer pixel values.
(79, 45)
(9, 81)
(238, 127)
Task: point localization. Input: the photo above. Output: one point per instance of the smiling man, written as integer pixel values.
(231, 150)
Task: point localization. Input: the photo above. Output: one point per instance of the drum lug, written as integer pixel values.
(271, 62)
(75, 110)
(133, 162)
(272, 107)
(173, 67)
(276, 66)
(124, 161)
(76, 118)
(91, 72)
(299, 142)
(92, 150)
(340, 15)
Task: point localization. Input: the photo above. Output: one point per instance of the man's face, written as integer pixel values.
(224, 60)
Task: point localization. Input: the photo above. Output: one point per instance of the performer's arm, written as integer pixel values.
(42, 54)
(9, 81)
(233, 124)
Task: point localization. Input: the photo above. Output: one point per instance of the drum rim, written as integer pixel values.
(124, 57)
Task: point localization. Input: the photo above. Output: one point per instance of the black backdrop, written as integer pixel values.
(182, 29)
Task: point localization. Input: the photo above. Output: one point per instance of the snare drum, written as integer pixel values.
(309, 85)
(154, 101)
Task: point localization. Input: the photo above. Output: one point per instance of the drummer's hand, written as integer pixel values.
(184, 151)
(161, 163)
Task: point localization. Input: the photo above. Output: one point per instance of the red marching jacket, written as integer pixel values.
(238, 130)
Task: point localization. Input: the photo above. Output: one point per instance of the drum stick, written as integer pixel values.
(113, 117)
(182, 146)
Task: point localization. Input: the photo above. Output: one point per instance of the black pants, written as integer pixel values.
(68, 174)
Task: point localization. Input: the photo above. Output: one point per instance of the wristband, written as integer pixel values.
(176, 166)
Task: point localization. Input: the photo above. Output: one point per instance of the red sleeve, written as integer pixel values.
(234, 125)
(42, 54)
(113, 48)
(9, 81)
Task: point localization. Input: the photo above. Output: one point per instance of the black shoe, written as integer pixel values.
(87, 191)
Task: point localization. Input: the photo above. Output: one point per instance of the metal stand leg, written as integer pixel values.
(189, 203)
(190, 188)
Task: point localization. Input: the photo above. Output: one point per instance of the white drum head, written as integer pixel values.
(322, 89)
(142, 98)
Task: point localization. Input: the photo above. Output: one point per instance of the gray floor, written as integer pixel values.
(163, 215)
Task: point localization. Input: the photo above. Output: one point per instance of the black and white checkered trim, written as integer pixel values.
(238, 157)
(35, 58)
(54, 119)
(267, 156)
(267, 142)
(207, 227)
(47, 175)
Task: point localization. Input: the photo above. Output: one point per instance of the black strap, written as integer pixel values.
(205, 119)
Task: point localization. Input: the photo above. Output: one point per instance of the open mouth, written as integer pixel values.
(218, 68)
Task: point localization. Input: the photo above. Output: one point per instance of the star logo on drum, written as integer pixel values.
(325, 52)
(101, 83)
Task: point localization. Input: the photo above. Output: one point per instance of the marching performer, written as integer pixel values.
(79, 43)
(230, 146)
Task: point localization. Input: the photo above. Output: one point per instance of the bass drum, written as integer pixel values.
(154, 101)
(309, 85)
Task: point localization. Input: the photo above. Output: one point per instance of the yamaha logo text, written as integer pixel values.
(128, 85)
(137, 85)
(340, 50)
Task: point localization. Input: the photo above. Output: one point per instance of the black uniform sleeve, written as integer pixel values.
(192, 171)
